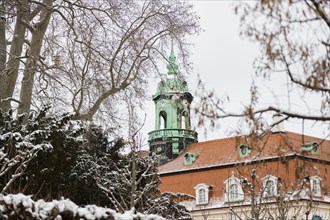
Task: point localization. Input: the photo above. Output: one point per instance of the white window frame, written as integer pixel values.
(265, 180)
(198, 189)
(238, 193)
(233, 191)
(315, 183)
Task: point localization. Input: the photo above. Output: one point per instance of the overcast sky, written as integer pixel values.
(225, 63)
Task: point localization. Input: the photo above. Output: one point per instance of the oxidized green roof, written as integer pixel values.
(172, 84)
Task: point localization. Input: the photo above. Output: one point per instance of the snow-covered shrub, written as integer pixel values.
(19, 145)
(102, 165)
(52, 156)
(35, 155)
(20, 206)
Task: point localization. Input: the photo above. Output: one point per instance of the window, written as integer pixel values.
(189, 158)
(315, 182)
(310, 147)
(269, 186)
(316, 217)
(202, 194)
(183, 121)
(234, 191)
(163, 120)
(245, 150)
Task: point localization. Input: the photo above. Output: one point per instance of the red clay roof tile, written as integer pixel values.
(226, 151)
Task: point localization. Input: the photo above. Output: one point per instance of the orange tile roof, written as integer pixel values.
(226, 151)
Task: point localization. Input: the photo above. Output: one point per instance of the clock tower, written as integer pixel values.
(172, 100)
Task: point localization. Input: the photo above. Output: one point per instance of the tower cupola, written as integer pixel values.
(172, 101)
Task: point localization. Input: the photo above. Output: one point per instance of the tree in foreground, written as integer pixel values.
(37, 156)
(294, 40)
(86, 56)
(124, 181)
(293, 37)
(51, 157)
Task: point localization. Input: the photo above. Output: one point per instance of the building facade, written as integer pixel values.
(284, 175)
(281, 175)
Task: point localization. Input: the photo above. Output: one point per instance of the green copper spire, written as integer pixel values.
(172, 67)
(172, 134)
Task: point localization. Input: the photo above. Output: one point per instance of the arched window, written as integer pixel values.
(315, 182)
(234, 191)
(184, 120)
(269, 186)
(163, 119)
(202, 194)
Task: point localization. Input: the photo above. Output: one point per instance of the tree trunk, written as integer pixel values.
(33, 57)
(2, 46)
(9, 72)
(133, 179)
(253, 177)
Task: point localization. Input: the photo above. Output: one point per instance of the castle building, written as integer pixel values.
(277, 176)
(284, 175)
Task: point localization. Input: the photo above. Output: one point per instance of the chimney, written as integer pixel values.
(278, 124)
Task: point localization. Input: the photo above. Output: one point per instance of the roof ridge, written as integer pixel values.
(214, 140)
(305, 135)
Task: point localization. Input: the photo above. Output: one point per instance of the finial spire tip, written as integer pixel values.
(172, 67)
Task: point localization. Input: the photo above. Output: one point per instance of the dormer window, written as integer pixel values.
(316, 217)
(189, 158)
(202, 194)
(269, 186)
(315, 182)
(310, 147)
(244, 150)
(234, 191)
